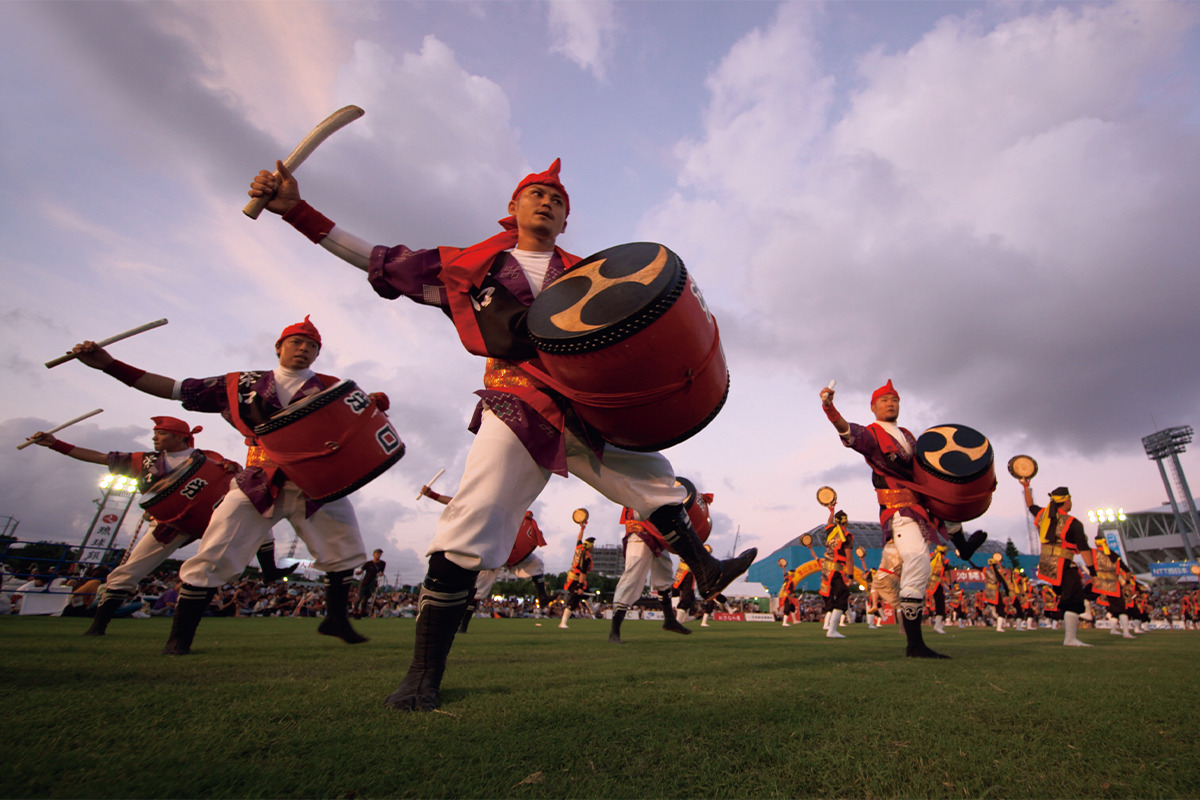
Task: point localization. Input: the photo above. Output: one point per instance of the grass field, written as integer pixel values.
(267, 708)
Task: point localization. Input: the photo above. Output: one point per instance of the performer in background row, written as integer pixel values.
(935, 590)
(788, 608)
(995, 587)
(576, 584)
(646, 557)
(1062, 539)
(1112, 576)
(525, 432)
(908, 527)
(837, 570)
(174, 444)
(262, 494)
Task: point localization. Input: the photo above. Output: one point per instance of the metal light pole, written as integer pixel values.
(1168, 444)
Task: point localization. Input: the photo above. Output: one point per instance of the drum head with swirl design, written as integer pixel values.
(955, 453)
(1022, 467)
(606, 297)
(826, 496)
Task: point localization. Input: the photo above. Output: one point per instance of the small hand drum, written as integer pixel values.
(580, 516)
(1022, 467)
(861, 552)
(783, 563)
(806, 540)
(826, 496)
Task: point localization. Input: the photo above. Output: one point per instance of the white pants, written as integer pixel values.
(640, 563)
(530, 567)
(237, 530)
(501, 481)
(145, 557)
(913, 551)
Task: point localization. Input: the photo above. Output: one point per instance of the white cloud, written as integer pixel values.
(583, 32)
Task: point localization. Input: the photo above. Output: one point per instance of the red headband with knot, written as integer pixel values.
(173, 425)
(305, 328)
(547, 178)
(886, 389)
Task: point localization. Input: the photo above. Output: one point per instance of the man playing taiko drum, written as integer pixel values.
(908, 527)
(174, 444)
(262, 493)
(524, 432)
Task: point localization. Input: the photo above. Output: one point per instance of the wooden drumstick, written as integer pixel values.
(158, 323)
(429, 484)
(327, 127)
(58, 428)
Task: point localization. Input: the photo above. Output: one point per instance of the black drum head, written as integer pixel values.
(607, 297)
(954, 452)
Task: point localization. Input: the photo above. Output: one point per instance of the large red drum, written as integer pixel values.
(185, 497)
(627, 337)
(955, 471)
(331, 443)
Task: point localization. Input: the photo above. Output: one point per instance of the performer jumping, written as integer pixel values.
(262, 494)
(1062, 539)
(908, 527)
(646, 558)
(525, 432)
(174, 444)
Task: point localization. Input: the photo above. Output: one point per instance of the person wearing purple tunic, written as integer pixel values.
(261, 494)
(524, 431)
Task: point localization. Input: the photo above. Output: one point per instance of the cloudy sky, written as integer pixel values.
(993, 204)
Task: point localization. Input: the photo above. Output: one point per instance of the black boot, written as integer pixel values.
(266, 564)
(539, 588)
(109, 603)
(669, 622)
(189, 610)
(910, 615)
(467, 614)
(711, 575)
(967, 547)
(614, 634)
(336, 623)
(444, 596)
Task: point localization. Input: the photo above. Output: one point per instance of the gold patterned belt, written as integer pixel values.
(257, 457)
(896, 498)
(501, 374)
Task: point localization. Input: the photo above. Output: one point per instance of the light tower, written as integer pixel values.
(1164, 447)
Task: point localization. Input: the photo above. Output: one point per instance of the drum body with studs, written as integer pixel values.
(954, 469)
(627, 337)
(185, 497)
(331, 443)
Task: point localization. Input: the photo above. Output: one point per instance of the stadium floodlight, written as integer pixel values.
(1102, 515)
(1167, 442)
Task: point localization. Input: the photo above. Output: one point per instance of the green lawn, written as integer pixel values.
(267, 708)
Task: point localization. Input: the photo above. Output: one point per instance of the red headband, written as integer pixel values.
(887, 388)
(173, 425)
(547, 178)
(306, 329)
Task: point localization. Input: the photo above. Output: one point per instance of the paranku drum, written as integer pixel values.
(185, 497)
(826, 496)
(1022, 467)
(627, 337)
(331, 443)
(954, 470)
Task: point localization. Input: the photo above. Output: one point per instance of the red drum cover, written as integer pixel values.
(331, 443)
(627, 337)
(185, 497)
(955, 472)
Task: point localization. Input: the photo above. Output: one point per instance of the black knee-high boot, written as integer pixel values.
(614, 633)
(966, 547)
(189, 610)
(910, 613)
(539, 588)
(711, 575)
(670, 623)
(336, 622)
(468, 612)
(109, 603)
(444, 595)
(266, 564)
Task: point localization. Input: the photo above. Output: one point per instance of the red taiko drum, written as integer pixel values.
(185, 497)
(627, 337)
(955, 472)
(331, 443)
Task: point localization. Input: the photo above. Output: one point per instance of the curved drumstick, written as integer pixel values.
(429, 483)
(158, 323)
(327, 127)
(58, 428)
